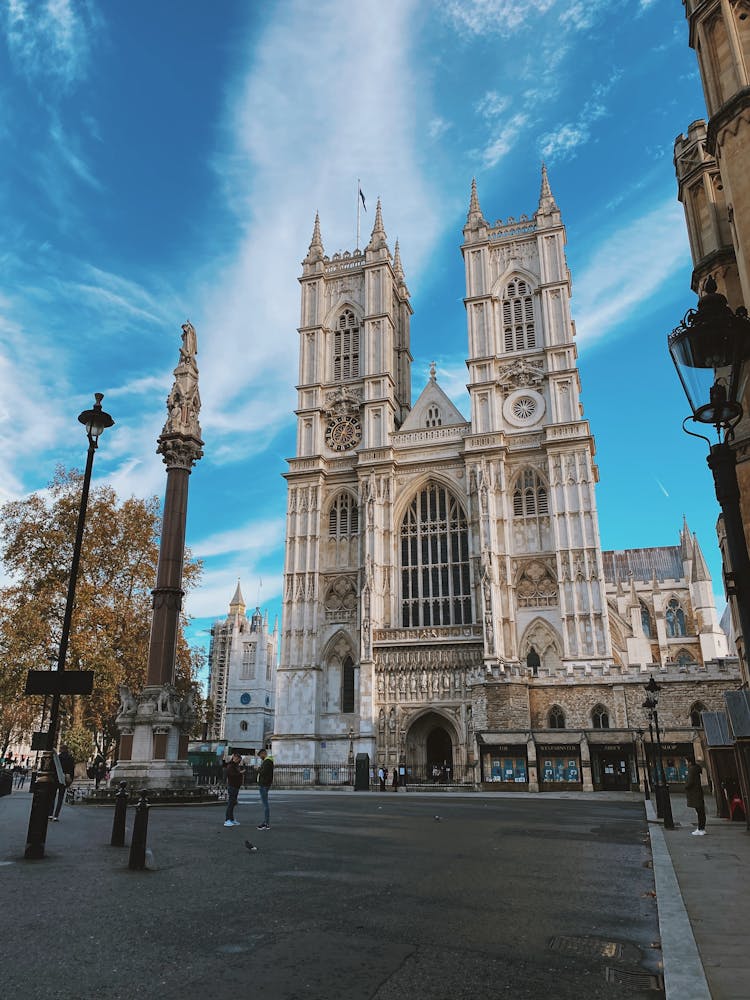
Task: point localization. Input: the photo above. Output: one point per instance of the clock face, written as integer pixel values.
(343, 433)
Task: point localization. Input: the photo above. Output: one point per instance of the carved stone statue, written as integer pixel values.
(128, 704)
(189, 343)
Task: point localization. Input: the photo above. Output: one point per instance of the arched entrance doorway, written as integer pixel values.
(431, 748)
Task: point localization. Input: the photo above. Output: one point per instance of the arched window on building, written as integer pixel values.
(556, 718)
(530, 498)
(346, 347)
(343, 517)
(518, 317)
(695, 714)
(600, 717)
(243, 726)
(675, 619)
(684, 658)
(646, 620)
(433, 418)
(533, 662)
(435, 579)
(347, 685)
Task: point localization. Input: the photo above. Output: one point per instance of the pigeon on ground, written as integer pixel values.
(437, 819)
(250, 847)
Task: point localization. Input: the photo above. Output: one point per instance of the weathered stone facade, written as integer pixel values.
(445, 587)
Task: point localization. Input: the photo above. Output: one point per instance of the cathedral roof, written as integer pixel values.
(432, 400)
(664, 563)
(237, 604)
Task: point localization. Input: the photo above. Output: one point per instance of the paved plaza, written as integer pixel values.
(351, 896)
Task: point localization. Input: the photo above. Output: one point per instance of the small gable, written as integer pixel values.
(432, 409)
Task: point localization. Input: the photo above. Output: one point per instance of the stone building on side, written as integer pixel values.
(242, 677)
(447, 605)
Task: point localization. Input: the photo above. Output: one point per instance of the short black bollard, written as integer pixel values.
(137, 860)
(118, 823)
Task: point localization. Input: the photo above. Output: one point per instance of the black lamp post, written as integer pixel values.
(95, 420)
(662, 789)
(639, 744)
(708, 349)
(351, 745)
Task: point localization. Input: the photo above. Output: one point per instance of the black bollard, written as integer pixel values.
(118, 823)
(137, 860)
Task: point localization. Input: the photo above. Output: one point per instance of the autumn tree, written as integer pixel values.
(111, 620)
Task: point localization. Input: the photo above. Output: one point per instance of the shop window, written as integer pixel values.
(695, 714)
(675, 619)
(600, 717)
(556, 718)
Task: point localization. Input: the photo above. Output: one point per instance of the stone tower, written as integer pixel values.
(447, 607)
(242, 676)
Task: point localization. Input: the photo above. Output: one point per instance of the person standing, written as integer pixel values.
(381, 778)
(265, 780)
(694, 793)
(235, 777)
(68, 766)
(394, 783)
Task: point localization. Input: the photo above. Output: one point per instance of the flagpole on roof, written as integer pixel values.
(359, 189)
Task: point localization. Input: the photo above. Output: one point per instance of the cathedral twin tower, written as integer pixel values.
(445, 592)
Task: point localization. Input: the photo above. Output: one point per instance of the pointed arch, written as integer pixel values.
(545, 641)
(674, 616)
(342, 514)
(556, 717)
(600, 716)
(340, 660)
(434, 558)
(695, 714)
(516, 293)
(530, 492)
(343, 326)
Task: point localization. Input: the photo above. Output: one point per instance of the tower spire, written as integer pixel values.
(398, 269)
(475, 212)
(378, 237)
(546, 200)
(315, 251)
(700, 569)
(237, 604)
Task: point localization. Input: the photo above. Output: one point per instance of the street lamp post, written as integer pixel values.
(708, 349)
(95, 421)
(651, 705)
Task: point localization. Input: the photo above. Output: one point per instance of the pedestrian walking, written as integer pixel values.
(68, 766)
(694, 793)
(381, 778)
(22, 772)
(235, 777)
(394, 783)
(265, 780)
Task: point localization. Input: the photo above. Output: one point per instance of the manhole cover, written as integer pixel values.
(635, 979)
(587, 947)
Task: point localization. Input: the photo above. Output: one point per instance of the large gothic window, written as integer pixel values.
(518, 317)
(675, 618)
(435, 582)
(347, 685)
(530, 495)
(343, 517)
(346, 347)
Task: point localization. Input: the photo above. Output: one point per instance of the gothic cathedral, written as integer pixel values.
(446, 600)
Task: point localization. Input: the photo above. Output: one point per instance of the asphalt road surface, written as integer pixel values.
(349, 896)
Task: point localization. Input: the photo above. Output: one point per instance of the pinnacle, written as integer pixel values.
(475, 211)
(397, 265)
(546, 199)
(378, 237)
(315, 251)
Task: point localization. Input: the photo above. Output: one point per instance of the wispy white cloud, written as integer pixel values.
(627, 269)
(499, 17)
(298, 118)
(50, 39)
(504, 138)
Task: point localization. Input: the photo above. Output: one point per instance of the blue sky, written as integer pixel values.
(164, 160)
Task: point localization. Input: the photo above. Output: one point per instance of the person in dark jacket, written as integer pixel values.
(694, 793)
(235, 777)
(68, 766)
(265, 780)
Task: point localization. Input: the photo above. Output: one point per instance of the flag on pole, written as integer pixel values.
(363, 199)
